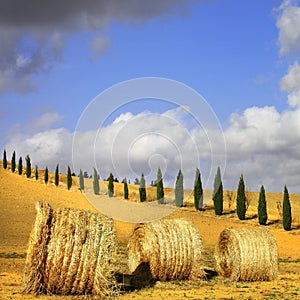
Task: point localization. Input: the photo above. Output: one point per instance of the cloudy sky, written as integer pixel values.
(72, 88)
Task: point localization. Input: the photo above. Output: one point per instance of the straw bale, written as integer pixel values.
(172, 248)
(70, 252)
(247, 254)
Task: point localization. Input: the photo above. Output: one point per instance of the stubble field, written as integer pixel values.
(17, 214)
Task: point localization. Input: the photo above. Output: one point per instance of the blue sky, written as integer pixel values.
(241, 56)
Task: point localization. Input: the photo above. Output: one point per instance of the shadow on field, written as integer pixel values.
(139, 279)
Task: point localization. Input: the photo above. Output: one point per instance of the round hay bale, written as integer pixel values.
(172, 248)
(70, 252)
(247, 254)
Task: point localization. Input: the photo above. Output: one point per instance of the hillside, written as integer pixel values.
(18, 195)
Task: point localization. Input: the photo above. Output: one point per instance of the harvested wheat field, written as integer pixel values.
(17, 215)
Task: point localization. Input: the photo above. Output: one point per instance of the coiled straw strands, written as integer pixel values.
(247, 254)
(172, 248)
(70, 252)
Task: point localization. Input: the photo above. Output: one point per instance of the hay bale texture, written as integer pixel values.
(70, 252)
(247, 254)
(172, 248)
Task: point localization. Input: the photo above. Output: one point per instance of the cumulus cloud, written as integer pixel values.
(262, 143)
(46, 148)
(35, 32)
(291, 84)
(288, 23)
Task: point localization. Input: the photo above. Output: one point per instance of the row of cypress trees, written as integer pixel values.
(241, 207)
(36, 172)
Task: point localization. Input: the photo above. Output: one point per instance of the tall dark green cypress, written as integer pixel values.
(4, 161)
(218, 194)
(36, 173)
(241, 200)
(28, 166)
(81, 180)
(69, 178)
(111, 185)
(56, 175)
(262, 207)
(20, 166)
(179, 193)
(13, 162)
(198, 191)
(96, 186)
(125, 189)
(160, 195)
(46, 175)
(142, 189)
(286, 210)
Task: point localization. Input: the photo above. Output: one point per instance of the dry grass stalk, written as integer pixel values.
(172, 248)
(70, 252)
(247, 254)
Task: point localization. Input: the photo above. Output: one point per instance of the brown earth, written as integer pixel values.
(18, 194)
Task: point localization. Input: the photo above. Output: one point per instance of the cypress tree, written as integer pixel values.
(111, 185)
(218, 194)
(4, 161)
(179, 190)
(198, 191)
(56, 175)
(36, 173)
(69, 178)
(28, 166)
(125, 189)
(142, 189)
(96, 186)
(46, 175)
(262, 207)
(286, 210)
(241, 199)
(20, 166)
(13, 162)
(160, 195)
(81, 180)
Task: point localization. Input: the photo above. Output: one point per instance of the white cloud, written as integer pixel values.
(46, 148)
(291, 81)
(288, 23)
(262, 143)
(45, 121)
(291, 84)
